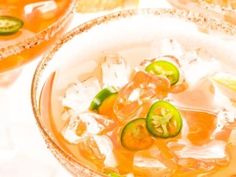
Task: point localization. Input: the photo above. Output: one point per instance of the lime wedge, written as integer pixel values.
(226, 83)
(112, 174)
(225, 80)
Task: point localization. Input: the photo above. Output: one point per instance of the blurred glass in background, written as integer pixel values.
(85, 6)
(221, 9)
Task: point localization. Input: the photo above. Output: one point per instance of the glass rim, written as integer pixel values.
(215, 7)
(210, 8)
(196, 18)
(40, 36)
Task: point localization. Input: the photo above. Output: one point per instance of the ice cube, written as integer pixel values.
(141, 89)
(45, 9)
(224, 117)
(89, 149)
(148, 163)
(98, 148)
(115, 71)
(91, 123)
(225, 111)
(145, 162)
(105, 146)
(212, 150)
(79, 96)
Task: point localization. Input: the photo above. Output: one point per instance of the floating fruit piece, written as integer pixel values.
(226, 83)
(164, 120)
(135, 136)
(106, 108)
(10, 25)
(164, 68)
(101, 97)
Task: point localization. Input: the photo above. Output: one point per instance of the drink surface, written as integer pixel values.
(37, 16)
(202, 148)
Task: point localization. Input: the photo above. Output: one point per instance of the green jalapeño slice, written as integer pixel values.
(135, 136)
(164, 68)
(101, 97)
(163, 120)
(10, 25)
(113, 174)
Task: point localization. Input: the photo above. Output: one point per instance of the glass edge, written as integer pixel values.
(189, 16)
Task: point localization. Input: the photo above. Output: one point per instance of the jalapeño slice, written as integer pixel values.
(113, 174)
(163, 120)
(10, 25)
(164, 68)
(135, 136)
(106, 108)
(101, 97)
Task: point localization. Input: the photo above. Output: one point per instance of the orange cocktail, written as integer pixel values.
(141, 100)
(142, 128)
(27, 28)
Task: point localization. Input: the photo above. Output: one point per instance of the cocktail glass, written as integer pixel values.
(44, 22)
(135, 35)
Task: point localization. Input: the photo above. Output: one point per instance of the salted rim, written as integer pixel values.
(39, 37)
(211, 9)
(197, 18)
(216, 7)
